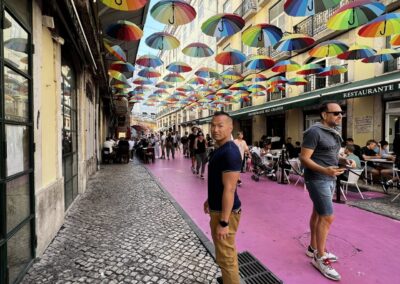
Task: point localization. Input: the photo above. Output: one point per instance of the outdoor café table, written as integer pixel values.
(377, 162)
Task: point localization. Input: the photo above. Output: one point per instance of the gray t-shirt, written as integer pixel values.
(326, 146)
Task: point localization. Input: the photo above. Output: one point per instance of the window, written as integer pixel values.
(391, 65)
(200, 10)
(227, 7)
(277, 15)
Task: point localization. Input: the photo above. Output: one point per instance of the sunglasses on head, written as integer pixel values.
(336, 113)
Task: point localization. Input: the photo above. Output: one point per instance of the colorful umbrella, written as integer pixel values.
(206, 72)
(115, 50)
(124, 30)
(276, 88)
(173, 12)
(149, 72)
(310, 68)
(305, 8)
(277, 80)
(218, 84)
(164, 85)
(197, 81)
(256, 88)
(121, 86)
(185, 88)
(293, 42)
(125, 5)
(149, 61)
(222, 25)
(197, 49)
(173, 77)
(356, 52)
(383, 55)
(395, 40)
(355, 14)
(238, 86)
(257, 77)
(142, 81)
(162, 41)
(230, 57)
(118, 76)
(223, 92)
(261, 62)
(262, 35)
(179, 67)
(297, 81)
(122, 66)
(385, 25)
(258, 94)
(332, 71)
(231, 75)
(328, 48)
(285, 66)
(161, 92)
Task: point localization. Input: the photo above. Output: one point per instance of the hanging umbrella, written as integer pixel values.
(328, 48)
(256, 88)
(305, 8)
(185, 88)
(231, 75)
(383, 55)
(206, 72)
(164, 85)
(115, 50)
(197, 81)
(197, 49)
(149, 72)
(332, 71)
(124, 30)
(395, 40)
(292, 42)
(173, 77)
(162, 41)
(223, 92)
(173, 12)
(230, 57)
(277, 80)
(385, 25)
(142, 81)
(355, 14)
(179, 67)
(285, 66)
(356, 52)
(161, 92)
(149, 61)
(17, 44)
(310, 68)
(238, 86)
(297, 81)
(223, 25)
(141, 89)
(262, 35)
(218, 84)
(276, 88)
(125, 5)
(258, 94)
(257, 77)
(118, 76)
(261, 62)
(122, 66)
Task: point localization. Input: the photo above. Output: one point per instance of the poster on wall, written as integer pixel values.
(363, 124)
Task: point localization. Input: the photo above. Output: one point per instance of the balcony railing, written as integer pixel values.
(392, 65)
(247, 6)
(316, 83)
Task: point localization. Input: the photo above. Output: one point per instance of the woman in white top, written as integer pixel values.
(243, 148)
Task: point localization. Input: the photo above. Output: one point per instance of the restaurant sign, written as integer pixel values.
(267, 110)
(376, 90)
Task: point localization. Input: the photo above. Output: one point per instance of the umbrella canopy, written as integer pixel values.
(230, 57)
(198, 49)
(125, 5)
(395, 40)
(222, 25)
(162, 41)
(149, 61)
(328, 48)
(256, 88)
(310, 68)
(174, 77)
(206, 72)
(262, 35)
(173, 12)
(302, 8)
(121, 86)
(122, 66)
(292, 42)
(297, 81)
(332, 71)
(277, 80)
(238, 86)
(115, 50)
(260, 62)
(275, 88)
(383, 55)
(285, 66)
(149, 72)
(257, 77)
(185, 88)
(142, 81)
(124, 30)
(118, 76)
(179, 67)
(164, 85)
(385, 25)
(355, 14)
(218, 84)
(356, 52)
(161, 92)
(231, 75)
(197, 81)
(223, 92)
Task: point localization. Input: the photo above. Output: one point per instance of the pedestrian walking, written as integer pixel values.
(185, 145)
(162, 143)
(320, 158)
(200, 148)
(192, 137)
(244, 150)
(169, 145)
(223, 203)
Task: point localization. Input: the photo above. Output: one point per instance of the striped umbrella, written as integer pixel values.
(305, 8)
(197, 81)
(383, 55)
(185, 88)
(141, 89)
(310, 68)
(385, 25)
(223, 93)
(115, 50)
(230, 57)
(262, 35)
(293, 42)
(173, 12)
(179, 67)
(142, 81)
(173, 77)
(206, 72)
(149, 61)
(258, 94)
(285, 66)
(223, 25)
(297, 81)
(124, 30)
(276, 88)
(332, 71)
(125, 5)
(395, 40)
(149, 72)
(231, 74)
(261, 62)
(197, 49)
(162, 41)
(328, 48)
(161, 92)
(218, 84)
(355, 14)
(256, 77)
(277, 80)
(238, 86)
(118, 76)
(122, 66)
(164, 85)
(356, 52)
(256, 88)
(121, 86)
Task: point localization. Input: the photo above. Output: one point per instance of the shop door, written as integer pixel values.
(275, 129)
(392, 121)
(247, 127)
(17, 216)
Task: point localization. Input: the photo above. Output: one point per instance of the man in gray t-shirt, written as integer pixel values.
(320, 158)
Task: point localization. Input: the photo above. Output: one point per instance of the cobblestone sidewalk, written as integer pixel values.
(124, 229)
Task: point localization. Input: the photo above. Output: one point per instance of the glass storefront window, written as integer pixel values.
(17, 138)
(18, 201)
(16, 96)
(15, 44)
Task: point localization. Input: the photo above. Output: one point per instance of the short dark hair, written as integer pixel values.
(218, 113)
(349, 140)
(324, 107)
(370, 141)
(350, 148)
(383, 143)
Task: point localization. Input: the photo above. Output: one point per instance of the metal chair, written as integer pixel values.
(354, 175)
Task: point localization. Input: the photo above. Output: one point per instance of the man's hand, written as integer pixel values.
(206, 207)
(333, 171)
(222, 232)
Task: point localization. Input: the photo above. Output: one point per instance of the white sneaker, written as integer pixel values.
(311, 251)
(324, 266)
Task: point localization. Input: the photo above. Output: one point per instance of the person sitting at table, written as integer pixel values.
(109, 143)
(266, 149)
(289, 147)
(385, 151)
(368, 152)
(349, 154)
(357, 148)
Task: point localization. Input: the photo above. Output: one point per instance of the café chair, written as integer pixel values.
(353, 177)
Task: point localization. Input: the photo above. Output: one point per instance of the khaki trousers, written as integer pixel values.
(225, 250)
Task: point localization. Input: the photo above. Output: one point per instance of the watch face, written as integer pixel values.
(223, 223)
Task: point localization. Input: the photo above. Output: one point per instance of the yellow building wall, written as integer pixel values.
(294, 122)
(48, 111)
(363, 108)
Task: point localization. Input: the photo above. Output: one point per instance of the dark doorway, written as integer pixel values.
(247, 127)
(275, 129)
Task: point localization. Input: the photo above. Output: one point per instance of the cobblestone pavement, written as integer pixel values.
(124, 229)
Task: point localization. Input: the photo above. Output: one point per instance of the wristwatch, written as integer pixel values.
(223, 224)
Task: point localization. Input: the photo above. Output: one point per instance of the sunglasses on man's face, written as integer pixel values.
(336, 113)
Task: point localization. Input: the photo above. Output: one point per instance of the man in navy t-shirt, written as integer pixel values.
(223, 203)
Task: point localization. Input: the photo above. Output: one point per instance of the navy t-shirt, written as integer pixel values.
(226, 158)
